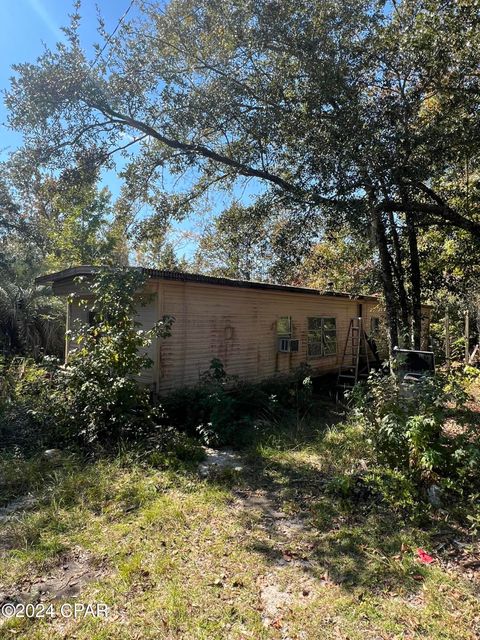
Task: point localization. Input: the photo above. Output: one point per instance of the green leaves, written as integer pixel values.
(409, 433)
(342, 113)
(99, 386)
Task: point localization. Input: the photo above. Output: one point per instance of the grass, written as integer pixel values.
(275, 551)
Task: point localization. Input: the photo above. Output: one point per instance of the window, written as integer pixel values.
(284, 327)
(374, 326)
(322, 337)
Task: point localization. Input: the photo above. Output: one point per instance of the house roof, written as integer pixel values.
(164, 274)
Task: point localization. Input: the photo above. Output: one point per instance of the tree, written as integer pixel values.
(236, 245)
(343, 262)
(31, 323)
(80, 225)
(99, 385)
(48, 223)
(154, 245)
(344, 111)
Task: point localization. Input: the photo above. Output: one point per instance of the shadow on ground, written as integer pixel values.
(294, 518)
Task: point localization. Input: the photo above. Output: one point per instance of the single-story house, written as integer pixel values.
(255, 329)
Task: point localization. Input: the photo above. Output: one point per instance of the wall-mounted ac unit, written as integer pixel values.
(287, 345)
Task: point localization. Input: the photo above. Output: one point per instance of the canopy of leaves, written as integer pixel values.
(320, 100)
(362, 114)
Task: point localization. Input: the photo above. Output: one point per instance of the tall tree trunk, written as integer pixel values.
(415, 279)
(380, 239)
(399, 273)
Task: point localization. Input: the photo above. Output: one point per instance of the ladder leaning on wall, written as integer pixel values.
(355, 361)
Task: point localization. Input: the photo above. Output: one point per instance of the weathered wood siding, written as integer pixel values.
(239, 326)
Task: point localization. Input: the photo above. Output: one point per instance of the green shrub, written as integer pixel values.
(95, 398)
(102, 399)
(395, 489)
(27, 394)
(222, 409)
(380, 485)
(405, 426)
(168, 447)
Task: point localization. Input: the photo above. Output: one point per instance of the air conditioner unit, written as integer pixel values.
(287, 345)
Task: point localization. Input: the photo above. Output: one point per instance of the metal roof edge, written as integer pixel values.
(181, 276)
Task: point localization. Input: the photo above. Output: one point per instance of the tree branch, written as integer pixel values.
(439, 209)
(205, 152)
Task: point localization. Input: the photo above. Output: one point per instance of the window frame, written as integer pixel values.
(322, 334)
(283, 334)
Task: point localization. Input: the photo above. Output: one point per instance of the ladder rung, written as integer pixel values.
(349, 373)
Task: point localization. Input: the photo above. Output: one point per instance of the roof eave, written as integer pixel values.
(88, 270)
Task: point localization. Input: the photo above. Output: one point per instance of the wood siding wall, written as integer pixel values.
(238, 326)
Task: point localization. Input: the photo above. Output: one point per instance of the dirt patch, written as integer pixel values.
(63, 580)
(273, 599)
(276, 602)
(289, 567)
(266, 503)
(217, 460)
(459, 557)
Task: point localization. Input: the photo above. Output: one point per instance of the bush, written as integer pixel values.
(95, 398)
(396, 489)
(27, 392)
(405, 426)
(224, 410)
(102, 399)
(168, 447)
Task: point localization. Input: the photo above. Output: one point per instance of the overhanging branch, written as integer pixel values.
(205, 152)
(438, 210)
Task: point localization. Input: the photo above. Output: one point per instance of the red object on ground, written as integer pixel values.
(424, 557)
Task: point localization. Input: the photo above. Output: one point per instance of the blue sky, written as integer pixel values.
(26, 27)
